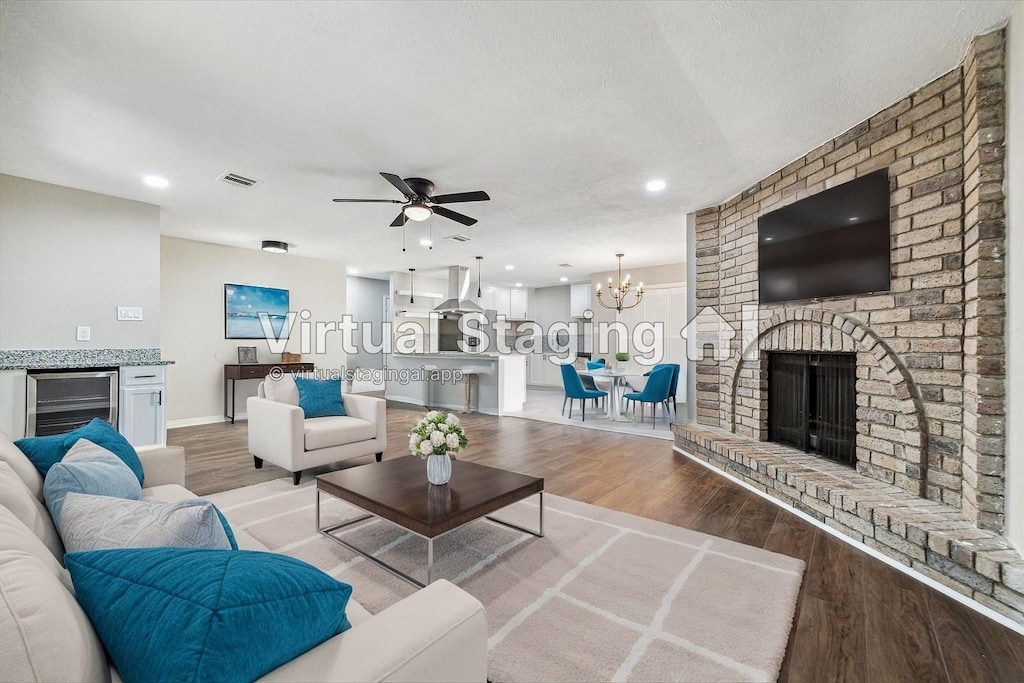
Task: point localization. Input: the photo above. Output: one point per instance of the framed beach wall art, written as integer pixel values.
(243, 305)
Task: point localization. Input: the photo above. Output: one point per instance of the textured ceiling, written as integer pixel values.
(561, 111)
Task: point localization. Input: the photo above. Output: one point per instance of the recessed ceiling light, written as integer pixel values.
(656, 185)
(853, 218)
(768, 239)
(510, 267)
(563, 279)
(156, 181)
(353, 271)
(425, 242)
(275, 247)
(519, 284)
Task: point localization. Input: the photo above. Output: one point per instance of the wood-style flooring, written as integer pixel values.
(857, 619)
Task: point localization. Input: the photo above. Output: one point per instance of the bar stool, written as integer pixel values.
(430, 370)
(471, 377)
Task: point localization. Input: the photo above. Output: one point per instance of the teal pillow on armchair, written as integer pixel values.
(320, 397)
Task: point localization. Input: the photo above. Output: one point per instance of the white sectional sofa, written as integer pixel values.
(437, 634)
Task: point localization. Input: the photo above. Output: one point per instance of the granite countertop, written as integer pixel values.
(449, 354)
(60, 359)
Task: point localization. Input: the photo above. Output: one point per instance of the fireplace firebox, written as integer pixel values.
(812, 403)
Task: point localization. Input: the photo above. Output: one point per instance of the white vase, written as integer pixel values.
(439, 469)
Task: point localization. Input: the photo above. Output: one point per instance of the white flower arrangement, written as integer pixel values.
(437, 434)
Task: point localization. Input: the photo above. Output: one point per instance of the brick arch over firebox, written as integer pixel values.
(893, 429)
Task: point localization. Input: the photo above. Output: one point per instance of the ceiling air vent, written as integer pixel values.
(457, 238)
(238, 180)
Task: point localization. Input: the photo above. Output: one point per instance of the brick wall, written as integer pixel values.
(984, 282)
(930, 351)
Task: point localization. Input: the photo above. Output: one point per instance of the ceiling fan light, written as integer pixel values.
(417, 212)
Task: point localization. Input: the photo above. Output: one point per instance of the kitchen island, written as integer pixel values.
(501, 387)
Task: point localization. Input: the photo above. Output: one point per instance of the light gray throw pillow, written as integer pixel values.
(104, 523)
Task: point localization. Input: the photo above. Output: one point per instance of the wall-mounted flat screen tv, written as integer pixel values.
(834, 243)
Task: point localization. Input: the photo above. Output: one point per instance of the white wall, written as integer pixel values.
(652, 275)
(70, 258)
(365, 299)
(1014, 184)
(192, 279)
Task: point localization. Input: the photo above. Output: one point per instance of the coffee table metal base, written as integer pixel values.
(327, 531)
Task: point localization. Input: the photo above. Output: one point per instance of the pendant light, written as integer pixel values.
(412, 285)
(479, 292)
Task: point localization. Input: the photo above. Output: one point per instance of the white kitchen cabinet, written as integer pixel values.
(540, 374)
(12, 403)
(518, 305)
(579, 300)
(552, 373)
(487, 298)
(503, 301)
(142, 413)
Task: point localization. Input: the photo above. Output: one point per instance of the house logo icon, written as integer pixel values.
(708, 333)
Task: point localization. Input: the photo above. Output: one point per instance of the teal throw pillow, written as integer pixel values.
(320, 397)
(227, 527)
(46, 451)
(91, 469)
(103, 434)
(43, 451)
(90, 522)
(209, 615)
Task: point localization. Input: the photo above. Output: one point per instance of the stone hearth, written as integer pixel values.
(934, 539)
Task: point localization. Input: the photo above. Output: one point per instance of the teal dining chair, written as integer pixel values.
(574, 390)
(670, 402)
(656, 391)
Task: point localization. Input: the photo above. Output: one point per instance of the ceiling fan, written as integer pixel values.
(420, 201)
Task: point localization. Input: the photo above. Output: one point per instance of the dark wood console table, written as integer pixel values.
(232, 373)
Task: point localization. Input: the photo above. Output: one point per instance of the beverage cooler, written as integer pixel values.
(61, 401)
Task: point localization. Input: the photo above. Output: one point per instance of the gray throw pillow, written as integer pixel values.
(88, 468)
(104, 523)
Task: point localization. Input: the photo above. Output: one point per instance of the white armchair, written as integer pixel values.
(280, 433)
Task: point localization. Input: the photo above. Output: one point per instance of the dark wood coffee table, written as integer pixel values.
(397, 490)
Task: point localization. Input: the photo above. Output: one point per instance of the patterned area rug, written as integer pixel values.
(603, 596)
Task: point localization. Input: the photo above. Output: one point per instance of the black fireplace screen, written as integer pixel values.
(812, 403)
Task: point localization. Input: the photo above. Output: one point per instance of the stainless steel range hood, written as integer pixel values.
(458, 300)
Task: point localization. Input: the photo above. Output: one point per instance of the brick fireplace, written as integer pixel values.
(929, 353)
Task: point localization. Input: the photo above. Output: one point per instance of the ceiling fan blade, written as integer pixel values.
(382, 201)
(402, 186)
(399, 220)
(453, 215)
(478, 196)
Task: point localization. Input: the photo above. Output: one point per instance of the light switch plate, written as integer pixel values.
(129, 312)
(83, 333)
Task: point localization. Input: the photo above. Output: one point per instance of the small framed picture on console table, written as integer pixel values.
(246, 354)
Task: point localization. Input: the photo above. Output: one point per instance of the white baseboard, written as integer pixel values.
(205, 420)
(909, 571)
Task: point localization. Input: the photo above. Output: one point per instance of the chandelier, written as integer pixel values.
(622, 290)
